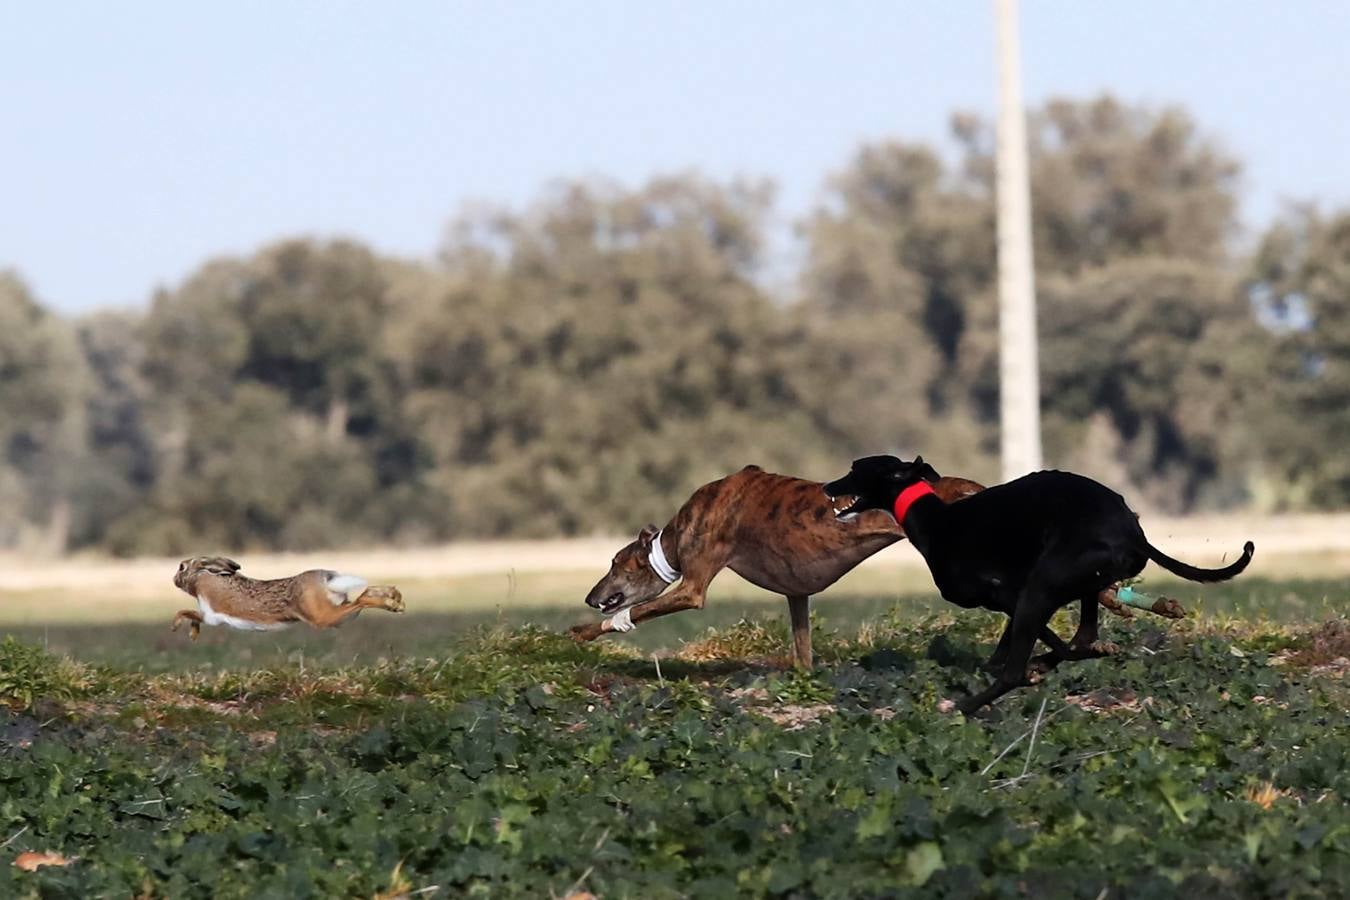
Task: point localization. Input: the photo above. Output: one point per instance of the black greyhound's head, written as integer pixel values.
(630, 579)
(874, 482)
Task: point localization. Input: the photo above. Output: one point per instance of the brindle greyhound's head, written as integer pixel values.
(631, 578)
(874, 482)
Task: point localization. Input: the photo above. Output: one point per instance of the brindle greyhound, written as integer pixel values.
(777, 532)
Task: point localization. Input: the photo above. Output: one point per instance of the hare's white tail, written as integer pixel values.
(344, 588)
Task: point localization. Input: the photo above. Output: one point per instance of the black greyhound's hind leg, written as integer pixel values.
(1085, 644)
(1000, 654)
(1059, 651)
(1086, 635)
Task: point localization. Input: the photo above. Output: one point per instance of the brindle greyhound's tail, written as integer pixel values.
(1193, 573)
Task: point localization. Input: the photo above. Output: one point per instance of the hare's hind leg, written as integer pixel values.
(194, 620)
(383, 596)
(316, 609)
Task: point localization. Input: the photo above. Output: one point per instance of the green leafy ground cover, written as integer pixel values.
(1212, 758)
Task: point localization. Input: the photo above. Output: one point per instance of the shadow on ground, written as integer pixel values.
(376, 635)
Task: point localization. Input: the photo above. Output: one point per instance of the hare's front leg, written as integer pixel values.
(194, 620)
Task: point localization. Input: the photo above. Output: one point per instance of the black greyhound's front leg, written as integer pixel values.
(1059, 651)
(1029, 620)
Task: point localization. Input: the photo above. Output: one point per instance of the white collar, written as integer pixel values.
(660, 565)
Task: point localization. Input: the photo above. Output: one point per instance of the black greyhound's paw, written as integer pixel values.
(984, 712)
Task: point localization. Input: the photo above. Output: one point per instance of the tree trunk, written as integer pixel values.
(338, 413)
(58, 528)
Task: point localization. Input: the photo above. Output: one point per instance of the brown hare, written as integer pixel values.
(319, 597)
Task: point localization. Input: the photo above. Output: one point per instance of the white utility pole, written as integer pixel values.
(1018, 368)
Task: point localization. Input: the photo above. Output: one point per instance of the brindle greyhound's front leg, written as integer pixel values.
(689, 593)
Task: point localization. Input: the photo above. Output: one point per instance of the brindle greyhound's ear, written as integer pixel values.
(646, 535)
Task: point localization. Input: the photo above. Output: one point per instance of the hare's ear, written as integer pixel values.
(646, 535)
(220, 565)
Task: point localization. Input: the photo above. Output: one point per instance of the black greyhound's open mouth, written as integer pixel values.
(845, 506)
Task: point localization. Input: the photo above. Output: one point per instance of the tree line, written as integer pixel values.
(581, 364)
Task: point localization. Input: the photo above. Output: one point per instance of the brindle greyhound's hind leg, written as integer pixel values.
(799, 611)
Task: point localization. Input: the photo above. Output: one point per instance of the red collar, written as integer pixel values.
(907, 498)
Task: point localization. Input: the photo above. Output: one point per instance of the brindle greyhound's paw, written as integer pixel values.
(946, 706)
(583, 633)
(1168, 608)
(396, 604)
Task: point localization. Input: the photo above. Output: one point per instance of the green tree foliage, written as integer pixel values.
(264, 379)
(581, 364)
(121, 464)
(1135, 363)
(1300, 280)
(43, 385)
(586, 363)
(1112, 181)
(1133, 211)
(902, 261)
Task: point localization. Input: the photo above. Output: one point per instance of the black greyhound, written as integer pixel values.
(1025, 548)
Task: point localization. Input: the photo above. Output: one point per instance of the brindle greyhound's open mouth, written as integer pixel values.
(612, 603)
(844, 506)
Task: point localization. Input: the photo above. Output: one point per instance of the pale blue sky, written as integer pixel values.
(140, 138)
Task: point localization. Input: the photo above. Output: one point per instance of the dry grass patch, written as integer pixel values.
(744, 640)
(1323, 650)
(789, 716)
(1108, 701)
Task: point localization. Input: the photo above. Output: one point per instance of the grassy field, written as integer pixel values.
(468, 749)
(148, 645)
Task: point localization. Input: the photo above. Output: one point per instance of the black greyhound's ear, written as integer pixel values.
(646, 535)
(926, 472)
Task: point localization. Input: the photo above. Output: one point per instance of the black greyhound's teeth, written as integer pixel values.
(845, 506)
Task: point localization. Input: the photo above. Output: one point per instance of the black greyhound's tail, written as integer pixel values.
(1192, 573)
